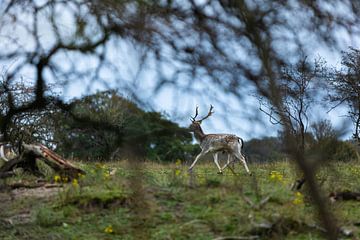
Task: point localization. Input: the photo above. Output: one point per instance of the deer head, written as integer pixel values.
(195, 124)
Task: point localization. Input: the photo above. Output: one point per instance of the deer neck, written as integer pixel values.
(199, 134)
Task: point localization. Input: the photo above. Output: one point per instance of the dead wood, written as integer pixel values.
(344, 196)
(52, 159)
(33, 152)
(25, 161)
(6, 174)
(36, 185)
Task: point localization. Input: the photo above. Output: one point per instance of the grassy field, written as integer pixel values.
(163, 201)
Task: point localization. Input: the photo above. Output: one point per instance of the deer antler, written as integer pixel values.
(209, 113)
(196, 113)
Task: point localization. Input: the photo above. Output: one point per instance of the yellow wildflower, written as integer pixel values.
(299, 198)
(276, 176)
(65, 179)
(298, 194)
(106, 175)
(75, 182)
(177, 172)
(99, 165)
(80, 175)
(57, 178)
(298, 201)
(355, 170)
(178, 162)
(109, 229)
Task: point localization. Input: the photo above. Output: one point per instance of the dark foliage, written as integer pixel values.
(267, 149)
(156, 137)
(32, 125)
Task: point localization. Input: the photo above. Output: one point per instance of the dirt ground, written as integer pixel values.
(17, 204)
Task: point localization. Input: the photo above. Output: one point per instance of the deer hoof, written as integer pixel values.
(220, 173)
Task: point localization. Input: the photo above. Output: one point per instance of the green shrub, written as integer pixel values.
(107, 126)
(335, 150)
(345, 151)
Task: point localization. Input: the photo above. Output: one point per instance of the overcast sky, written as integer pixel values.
(239, 117)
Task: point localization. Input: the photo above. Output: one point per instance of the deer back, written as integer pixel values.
(220, 142)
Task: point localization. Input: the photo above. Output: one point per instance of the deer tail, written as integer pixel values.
(242, 142)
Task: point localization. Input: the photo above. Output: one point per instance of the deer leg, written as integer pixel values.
(196, 159)
(242, 159)
(229, 160)
(233, 163)
(217, 162)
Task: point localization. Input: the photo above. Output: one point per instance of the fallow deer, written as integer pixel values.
(215, 143)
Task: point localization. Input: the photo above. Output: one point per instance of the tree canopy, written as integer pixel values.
(149, 133)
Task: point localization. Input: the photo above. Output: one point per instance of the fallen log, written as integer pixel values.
(6, 174)
(52, 159)
(25, 161)
(33, 152)
(36, 185)
(344, 196)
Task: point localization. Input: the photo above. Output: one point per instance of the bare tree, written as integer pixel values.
(298, 85)
(345, 86)
(323, 130)
(289, 107)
